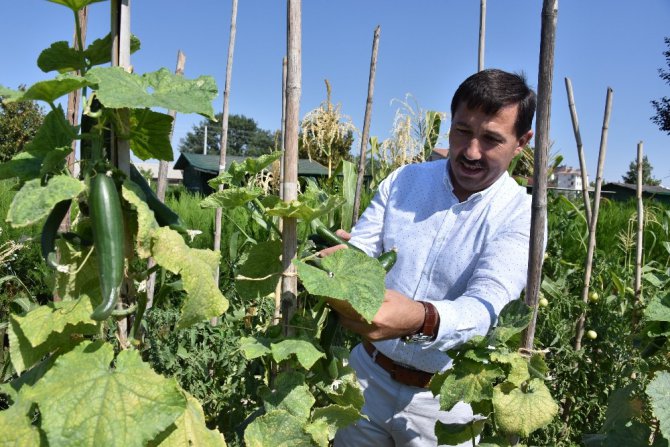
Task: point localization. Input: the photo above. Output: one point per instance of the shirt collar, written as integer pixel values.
(478, 195)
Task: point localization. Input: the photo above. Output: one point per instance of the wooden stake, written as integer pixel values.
(277, 311)
(366, 125)
(640, 230)
(594, 220)
(580, 150)
(482, 34)
(539, 206)
(290, 182)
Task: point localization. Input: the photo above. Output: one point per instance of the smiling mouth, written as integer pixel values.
(470, 167)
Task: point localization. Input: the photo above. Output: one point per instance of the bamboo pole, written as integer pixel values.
(539, 204)
(366, 125)
(161, 184)
(277, 311)
(640, 229)
(482, 34)
(580, 149)
(594, 219)
(224, 134)
(289, 301)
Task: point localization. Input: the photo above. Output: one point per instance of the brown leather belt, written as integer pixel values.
(399, 373)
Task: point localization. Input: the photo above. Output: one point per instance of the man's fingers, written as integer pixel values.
(330, 250)
(343, 234)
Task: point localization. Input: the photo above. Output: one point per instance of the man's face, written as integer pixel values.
(481, 147)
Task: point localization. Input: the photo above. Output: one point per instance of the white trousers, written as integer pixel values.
(399, 415)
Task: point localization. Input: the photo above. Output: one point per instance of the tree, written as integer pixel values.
(662, 106)
(244, 137)
(19, 122)
(647, 179)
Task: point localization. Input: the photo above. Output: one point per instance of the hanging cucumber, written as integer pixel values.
(107, 223)
(164, 215)
(50, 231)
(333, 239)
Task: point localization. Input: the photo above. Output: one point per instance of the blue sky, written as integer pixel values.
(427, 48)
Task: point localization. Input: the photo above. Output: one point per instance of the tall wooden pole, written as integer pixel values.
(161, 184)
(277, 311)
(580, 150)
(289, 300)
(74, 98)
(539, 204)
(594, 219)
(224, 129)
(482, 34)
(366, 125)
(640, 229)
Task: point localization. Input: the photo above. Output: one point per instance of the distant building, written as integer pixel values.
(198, 169)
(174, 176)
(625, 191)
(566, 180)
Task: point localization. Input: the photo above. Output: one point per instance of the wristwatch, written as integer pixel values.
(428, 330)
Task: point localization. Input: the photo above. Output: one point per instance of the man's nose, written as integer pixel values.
(473, 150)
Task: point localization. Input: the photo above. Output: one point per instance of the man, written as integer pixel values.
(461, 227)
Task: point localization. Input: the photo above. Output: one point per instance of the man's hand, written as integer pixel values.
(398, 316)
(330, 250)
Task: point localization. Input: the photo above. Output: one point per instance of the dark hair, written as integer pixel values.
(490, 90)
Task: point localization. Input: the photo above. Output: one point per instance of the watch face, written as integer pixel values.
(418, 338)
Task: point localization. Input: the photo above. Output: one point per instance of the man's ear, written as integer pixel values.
(523, 141)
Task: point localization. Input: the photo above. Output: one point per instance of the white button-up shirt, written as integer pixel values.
(467, 258)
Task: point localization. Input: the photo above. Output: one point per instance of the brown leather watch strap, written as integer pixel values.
(431, 322)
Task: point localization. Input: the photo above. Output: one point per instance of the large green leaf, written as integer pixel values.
(278, 428)
(47, 91)
(190, 429)
(632, 434)
(76, 5)
(251, 166)
(658, 309)
(146, 222)
(622, 407)
(100, 50)
(259, 274)
(304, 350)
(230, 198)
(469, 382)
(26, 352)
(319, 430)
(55, 133)
(522, 412)
(453, 434)
(119, 89)
(513, 319)
(62, 58)
(298, 209)
(196, 267)
(658, 391)
(518, 365)
(85, 402)
(150, 134)
(33, 202)
(77, 276)
(337, 416)
(290, 394)
(345, 391)
(348, 275)
(40, 323)
(252, 347)
(16, 429)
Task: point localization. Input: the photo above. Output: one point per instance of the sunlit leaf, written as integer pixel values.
(230, 198)
(252, 166)
(470, 382)
(146, 222)
(336, 416)
(522, 412)
(350, 276)
(126, 404)
(190, 429)
(100, 50)
(33, 202)
(320, 432)
(61, 57)
(658, 309)
(16, 429)
(298, 209)
(252, 347)
(47, 91)
(658, 391)
(290, 394)
(513, 319)
(304, 350)
(277, 429)
(518, 366)
(119, 89)
(196, 267)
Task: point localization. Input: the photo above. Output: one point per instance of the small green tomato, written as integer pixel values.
(593, 296)
(543, 302)
(592, 334)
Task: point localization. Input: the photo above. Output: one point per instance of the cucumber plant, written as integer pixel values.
(72, 386)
